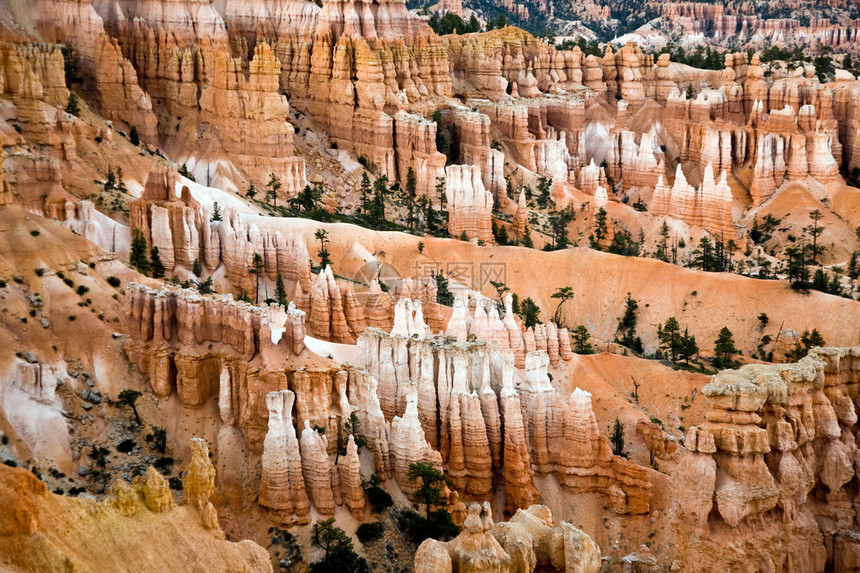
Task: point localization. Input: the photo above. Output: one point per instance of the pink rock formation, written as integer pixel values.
(523, 544)
(470, 205)
(772, 433)
(408, 446)
(282, 487)
(349, 472)
(709, 207)
(170, 329)
(316, 469)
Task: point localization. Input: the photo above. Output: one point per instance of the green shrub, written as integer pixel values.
(370, 532)
(113, 281)
(417, 528)
(378, 497)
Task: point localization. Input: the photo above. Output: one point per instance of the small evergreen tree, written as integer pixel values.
(280, 291)
(216, 212)
(689, 347)
(73, 106)
(251, 191)
(338, 550)
(724, 348)
(157, 266)
(432, 480)
(197, 267)
(411, 182)
(627, 326)
(134, 136)
(669, 335)
(443, 295)
(137, 257)
(814, 231)
(129, 398)
(581, 342)
(257, 266)
(502, 236)
(562, 294)
(272, 188)
(325, 257)
(120, 181)
(543, 186)
(526, 241)
(616, 438)
(600, 230)
(365, 187)
(529, 312)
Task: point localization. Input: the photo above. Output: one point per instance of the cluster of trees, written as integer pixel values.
(713, 257)
(451, 23)
(139, 260)
(676, 344)
(808, 340)
(705, 58)
(589, 48)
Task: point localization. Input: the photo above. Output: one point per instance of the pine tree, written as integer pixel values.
(73, 107)
(689, 347)
(600, 230)
(796, 268)
(134, 136)
(443, 295)
(377, 204)
(325, 257)
(814, 230)
(256, 269)
(724, 348)
(111, 179)
(157, 265)
(137, 257)
(529, 312)
(280, 291)
(411, 182)
(500, 234)
(272, 188)
(581, 342)
(616, 438)
(627, 326)
(526, 241)
(120, 182)
(670, 338)
(704, 257)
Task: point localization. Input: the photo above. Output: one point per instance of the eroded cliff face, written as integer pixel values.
(86, 534)
(768, 481)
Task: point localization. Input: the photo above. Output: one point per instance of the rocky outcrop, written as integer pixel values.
(114, 82)
(526, 543)
(184, 232)
(507, 333)
(448, 402)
(470, 205)
(171, 330)
(72, 527)
(198, 483)
(776, 450)
(316, 469)
(708, 207)
(349, 473)
(282, 486)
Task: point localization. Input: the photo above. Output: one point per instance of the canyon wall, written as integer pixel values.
(768, 480)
